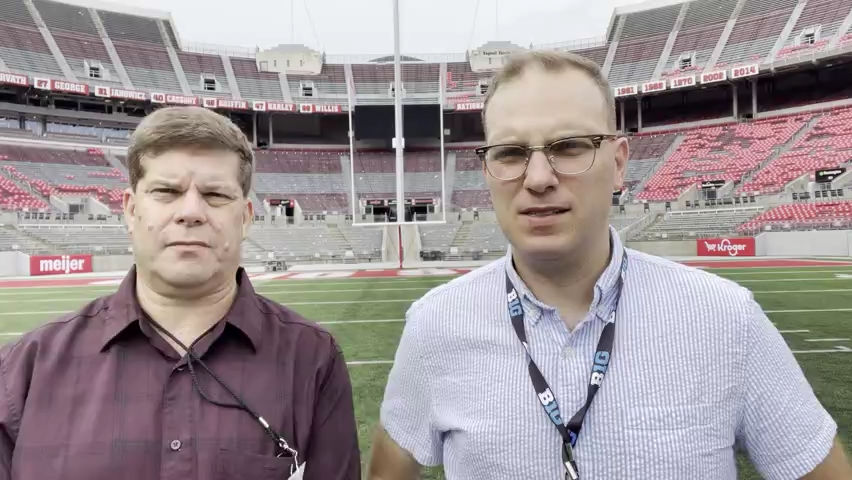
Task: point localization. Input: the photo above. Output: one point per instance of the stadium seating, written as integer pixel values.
(827, 145)
(700, 31)
(254, 83)
(757, 28)
(696, 224)
(198, 66)
(797, 215)
(438, 237)
(330, 81)
(725, 152)
(641, 44)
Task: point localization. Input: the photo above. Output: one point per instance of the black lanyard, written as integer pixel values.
(545, 395)
(191, 357)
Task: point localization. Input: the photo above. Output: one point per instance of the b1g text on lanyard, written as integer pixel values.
(603, 353)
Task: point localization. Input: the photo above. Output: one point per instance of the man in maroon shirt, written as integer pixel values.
(113, 392)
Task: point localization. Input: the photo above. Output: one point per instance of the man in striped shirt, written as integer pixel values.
(573, 357)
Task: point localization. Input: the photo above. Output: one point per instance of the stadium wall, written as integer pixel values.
(112, 263)
(14, 264)
(836, 243)
(667, 248)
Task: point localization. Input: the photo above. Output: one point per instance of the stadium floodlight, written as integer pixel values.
(398, 145)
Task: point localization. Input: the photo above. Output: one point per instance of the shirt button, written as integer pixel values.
(568, 352)
(175, 445)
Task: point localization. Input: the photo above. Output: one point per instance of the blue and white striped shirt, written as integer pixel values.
(696, 366)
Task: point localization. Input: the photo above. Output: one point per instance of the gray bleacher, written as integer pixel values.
(285, 183)
(14, 11)
(363, 240)
(386, 182)
(148, 68)
(330, 81)
(12, 239)
(690, 224)
(253, 84)
(641, 43)
(470, 180)
(315, 243)
(438, 237)
(24, 49)
(701, 28)
(639, 169)
(72, 238)
(121, 26)
(756, 30)
(63, 16)
(56, 174)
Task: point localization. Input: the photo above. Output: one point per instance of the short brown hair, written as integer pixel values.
(178, 128)
(552, 61)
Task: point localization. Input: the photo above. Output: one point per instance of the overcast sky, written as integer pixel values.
(366, 26)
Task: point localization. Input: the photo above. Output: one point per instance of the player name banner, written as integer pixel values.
(469, 106)
(13, 79)
(681, 82)
(713, 77)
(174, 99)
(745, 71)
(226, 103)
(60, 86)
(655, 86)
(625, 90)
(60, 264)
(120, 93)
(726, 247)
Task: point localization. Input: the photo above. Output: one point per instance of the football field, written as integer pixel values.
(810, 305)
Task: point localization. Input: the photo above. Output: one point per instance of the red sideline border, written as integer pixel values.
(410, 273)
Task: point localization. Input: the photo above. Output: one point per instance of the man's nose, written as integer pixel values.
(540, 175)
(191, 208)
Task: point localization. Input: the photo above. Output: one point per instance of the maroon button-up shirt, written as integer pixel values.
(99, 394)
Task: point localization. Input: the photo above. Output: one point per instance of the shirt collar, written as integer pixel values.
(605, 288)
(124, 310)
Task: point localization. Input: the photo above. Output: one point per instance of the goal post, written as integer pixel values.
(397, 209)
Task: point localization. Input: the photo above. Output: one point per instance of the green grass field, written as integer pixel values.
(811, 306)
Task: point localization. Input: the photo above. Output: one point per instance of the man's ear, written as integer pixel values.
(622, 153)
(128, 203)
(248, 217)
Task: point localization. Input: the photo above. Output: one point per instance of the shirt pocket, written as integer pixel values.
(234, 465)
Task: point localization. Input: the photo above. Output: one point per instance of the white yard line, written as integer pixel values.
(721, 272)
(827, 350)
(279, 293)
(14, 292)
(793, 331)
(826, 339)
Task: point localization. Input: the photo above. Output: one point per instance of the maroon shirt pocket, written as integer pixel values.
(236, 465)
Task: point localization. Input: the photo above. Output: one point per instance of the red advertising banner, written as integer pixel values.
(60, 264)
(469, 106)
(13, 79)
(726, 247)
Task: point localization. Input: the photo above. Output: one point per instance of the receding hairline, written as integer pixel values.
(553, 62)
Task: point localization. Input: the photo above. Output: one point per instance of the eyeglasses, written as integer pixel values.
(567, 156)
